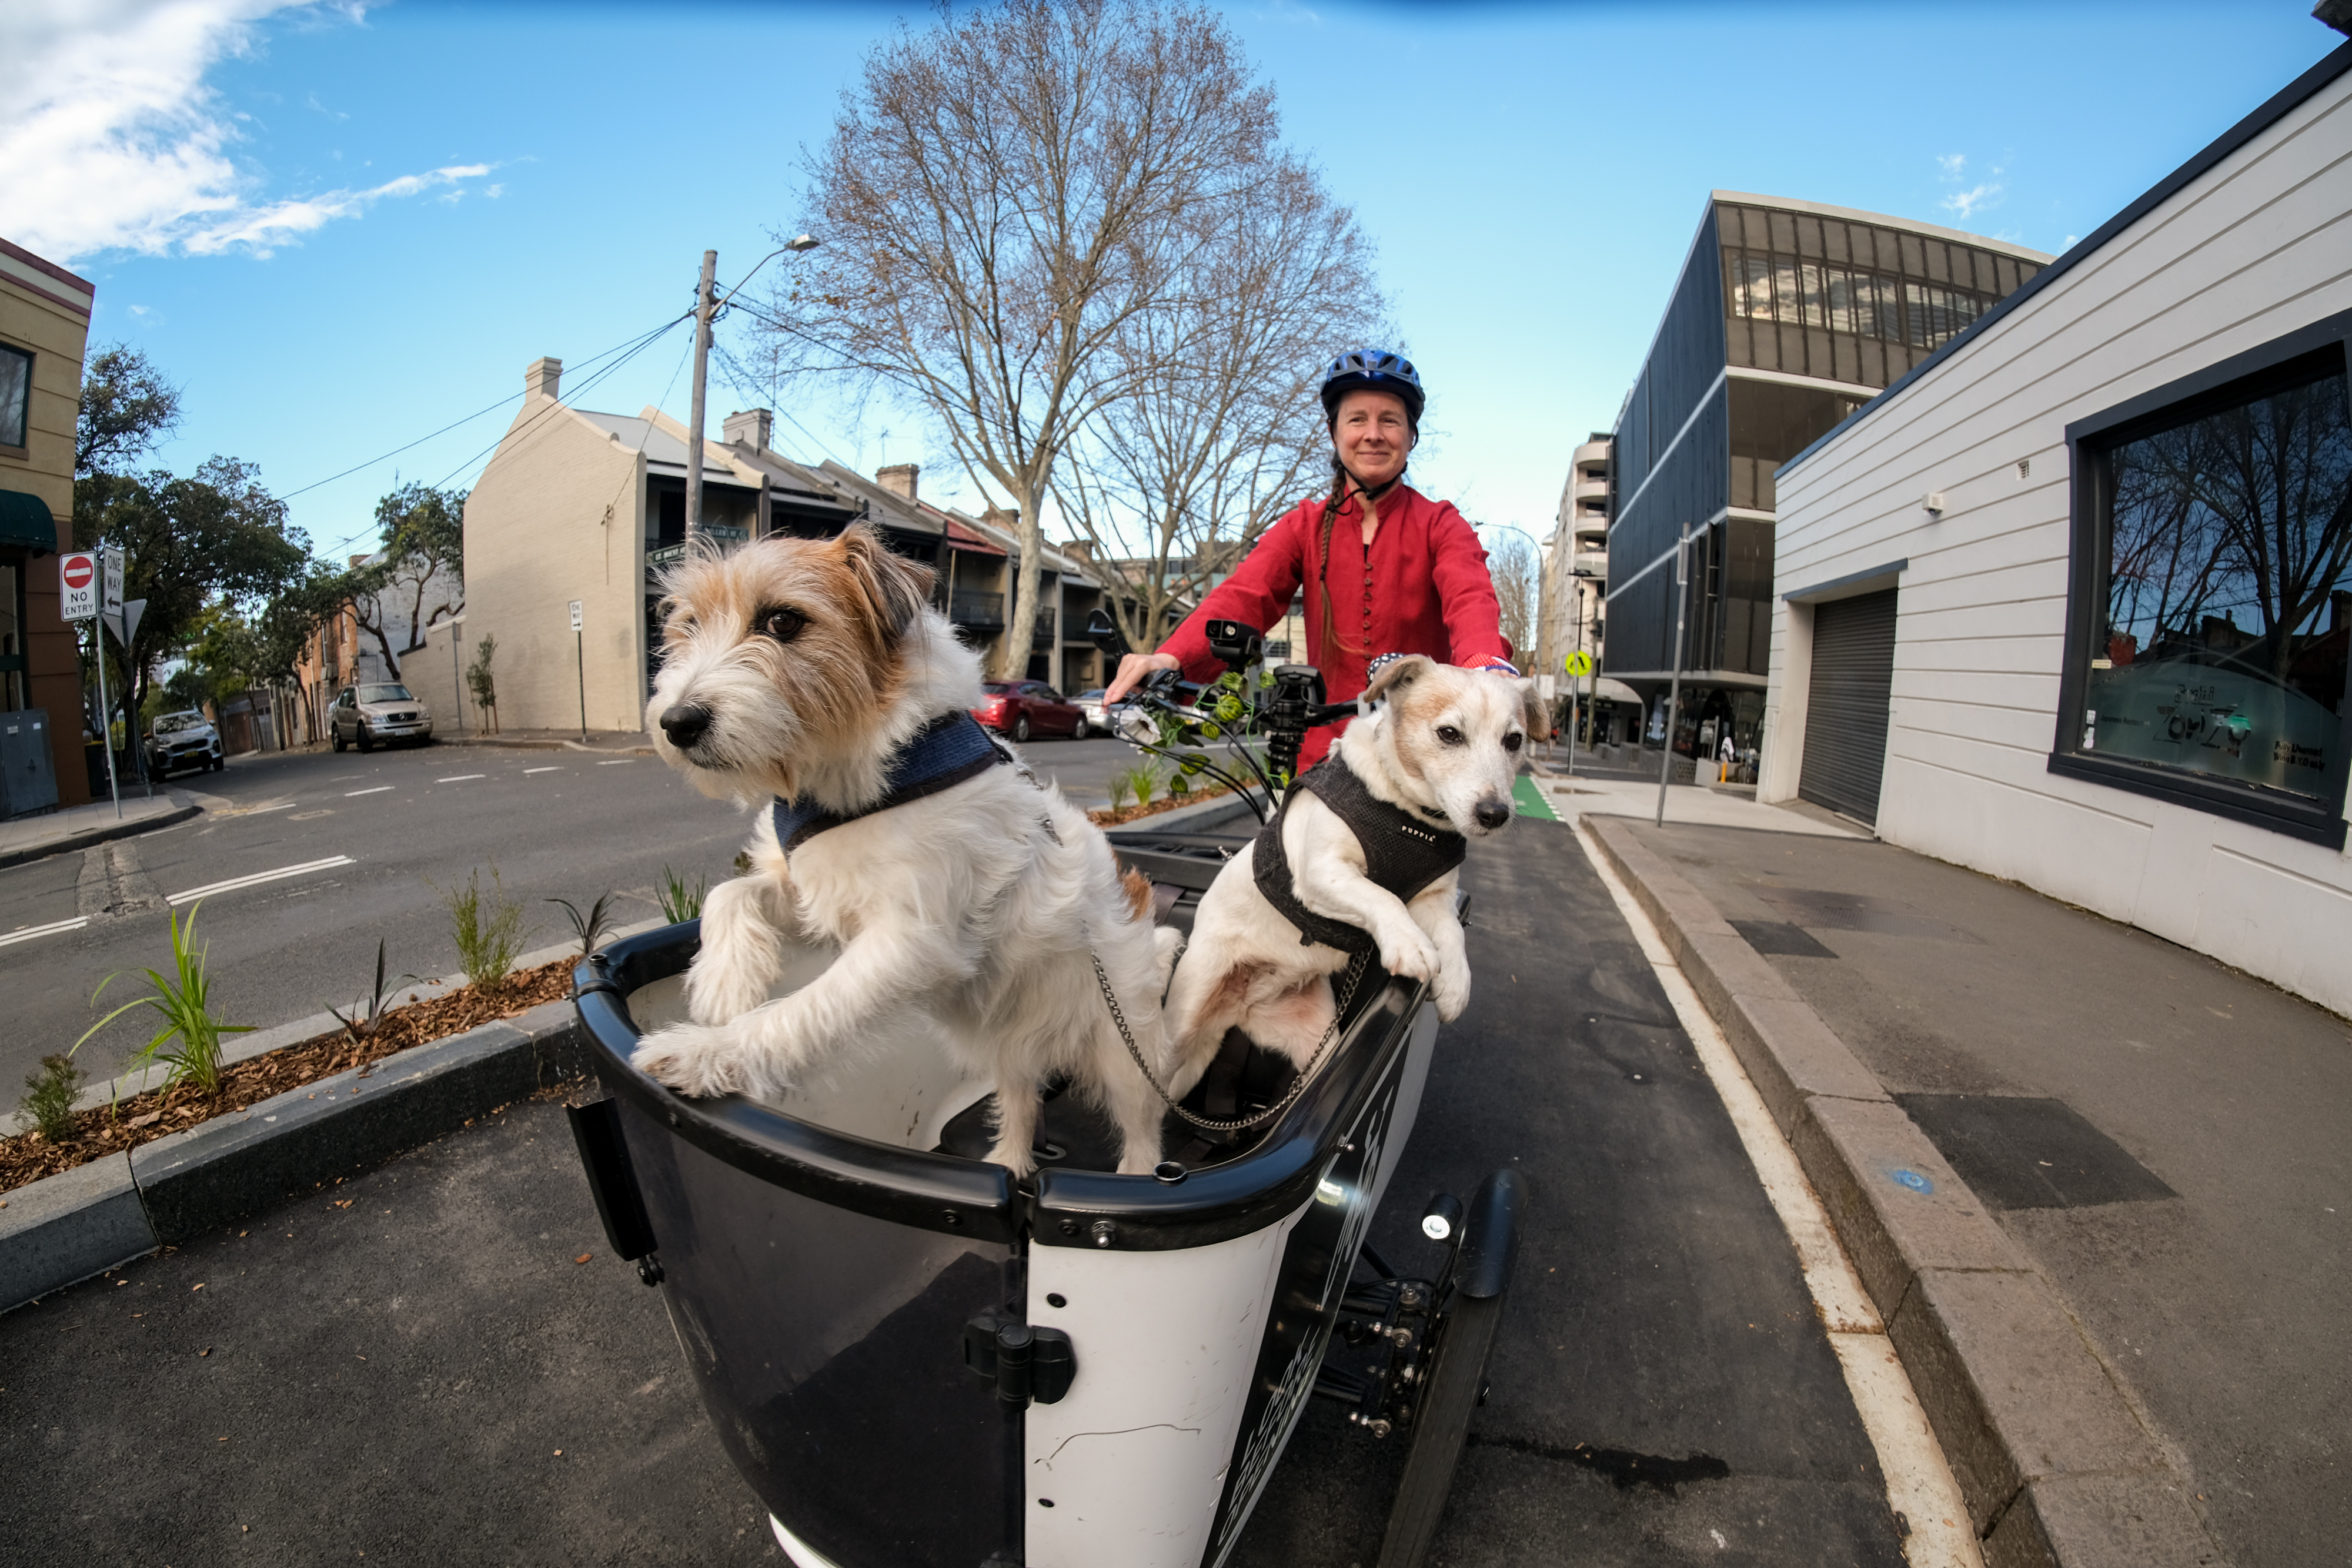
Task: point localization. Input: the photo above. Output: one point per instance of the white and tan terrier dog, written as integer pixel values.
(1394, 804)
(815, 683)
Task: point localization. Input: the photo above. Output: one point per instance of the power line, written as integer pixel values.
(634, 349)
(447, 428)
(643, 343)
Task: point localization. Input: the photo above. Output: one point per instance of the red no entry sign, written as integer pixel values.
(79, 575)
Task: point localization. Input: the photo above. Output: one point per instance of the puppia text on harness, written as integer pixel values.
(1402, 852)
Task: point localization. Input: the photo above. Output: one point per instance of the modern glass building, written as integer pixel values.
(1788, 317)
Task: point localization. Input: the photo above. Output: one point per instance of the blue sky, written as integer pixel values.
(343, 227)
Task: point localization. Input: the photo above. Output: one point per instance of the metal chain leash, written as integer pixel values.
(1356, 967)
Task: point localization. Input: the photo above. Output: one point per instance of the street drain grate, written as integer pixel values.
(2021, 1152)
(1780, 939)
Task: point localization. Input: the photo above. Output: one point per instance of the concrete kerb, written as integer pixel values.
(2057, 1469)
(67, 1227)
(245, 1047)
(73, 843)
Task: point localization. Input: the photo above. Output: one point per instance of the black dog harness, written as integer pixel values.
(945, 752)
(1402, 853)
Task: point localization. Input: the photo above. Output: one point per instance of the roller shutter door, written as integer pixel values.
(1845, 718)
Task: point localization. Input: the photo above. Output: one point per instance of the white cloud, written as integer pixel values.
(114, 142)
(1951, 163)
(262, 229)
(1969, 203)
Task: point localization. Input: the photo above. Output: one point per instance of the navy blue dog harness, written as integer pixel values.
(945, 752)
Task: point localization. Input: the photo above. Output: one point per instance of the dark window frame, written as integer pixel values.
(32, 360)
(2238, 379)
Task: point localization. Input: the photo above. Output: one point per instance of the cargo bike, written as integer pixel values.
(916, 1360)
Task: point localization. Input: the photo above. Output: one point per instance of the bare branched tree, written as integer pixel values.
(1518, 578)
(1002, 195)
(1220, 424)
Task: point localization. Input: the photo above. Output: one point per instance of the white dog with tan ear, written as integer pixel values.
(1363, 856)
(816, 682)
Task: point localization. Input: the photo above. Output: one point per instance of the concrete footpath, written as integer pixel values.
(2097, 1184)
(79, 827)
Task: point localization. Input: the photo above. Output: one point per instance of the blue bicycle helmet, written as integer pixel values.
(1380, 370)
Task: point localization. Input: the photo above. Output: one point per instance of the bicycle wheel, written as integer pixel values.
(1456, 1375)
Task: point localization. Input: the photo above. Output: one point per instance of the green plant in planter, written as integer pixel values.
(591, 926)
(488, 928)
(183, 1000)
(47, 1105)
(1225, 711)
(367, 1012)
(680, 902)
(1143, 782)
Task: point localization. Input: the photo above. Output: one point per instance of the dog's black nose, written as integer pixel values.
(1491, 814)
(685, 723)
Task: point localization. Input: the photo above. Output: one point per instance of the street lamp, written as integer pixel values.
(706, 308)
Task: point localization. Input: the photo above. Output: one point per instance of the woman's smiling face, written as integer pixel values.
(1373, 435)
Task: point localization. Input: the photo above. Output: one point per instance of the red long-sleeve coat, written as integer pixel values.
(1423, 588)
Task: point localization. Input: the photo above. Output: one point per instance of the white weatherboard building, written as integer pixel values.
(2090, 566)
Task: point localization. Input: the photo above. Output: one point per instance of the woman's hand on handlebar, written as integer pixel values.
(1132, 670)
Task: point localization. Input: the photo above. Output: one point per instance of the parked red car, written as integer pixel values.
(1023, 708)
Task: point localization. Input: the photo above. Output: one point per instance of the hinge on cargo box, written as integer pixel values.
(1025, 1362)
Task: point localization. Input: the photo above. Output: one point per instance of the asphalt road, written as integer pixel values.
(555, 824)
(396, 1377)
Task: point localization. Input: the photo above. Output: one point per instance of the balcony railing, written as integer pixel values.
(968, 607)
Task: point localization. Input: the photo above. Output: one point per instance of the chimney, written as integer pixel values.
(1079, 549)
(899, 478)
(544, 378)
(750, 429)
(1005, 518)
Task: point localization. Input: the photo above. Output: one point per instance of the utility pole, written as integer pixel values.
(702, 313)
(1674, 692)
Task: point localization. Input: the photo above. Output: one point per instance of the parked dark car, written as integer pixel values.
(378, 710)
(1023, 708)
(183, 740)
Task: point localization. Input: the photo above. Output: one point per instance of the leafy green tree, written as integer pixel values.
(126, 408)
(420, 576)
(191, 544)
(284, 626)
(188, 542)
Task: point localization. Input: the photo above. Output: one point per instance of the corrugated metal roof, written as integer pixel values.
(660, 447)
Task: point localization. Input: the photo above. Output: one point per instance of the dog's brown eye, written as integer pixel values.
(1510, 743)
(783, 625)
(1449, 734)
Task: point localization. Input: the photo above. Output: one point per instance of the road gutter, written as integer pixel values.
(1921, 1490)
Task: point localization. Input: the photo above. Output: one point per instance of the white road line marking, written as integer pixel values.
(529, 771)
(617, 762)
(460, 778)
(27, 934)
(1919, 1483)
(234, 883)
(378, 789)
(255, 811)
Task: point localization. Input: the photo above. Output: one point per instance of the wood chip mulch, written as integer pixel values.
(1105, 817)
(110, 1130)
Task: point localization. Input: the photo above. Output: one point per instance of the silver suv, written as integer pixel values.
(379, 710)
(180, 740)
